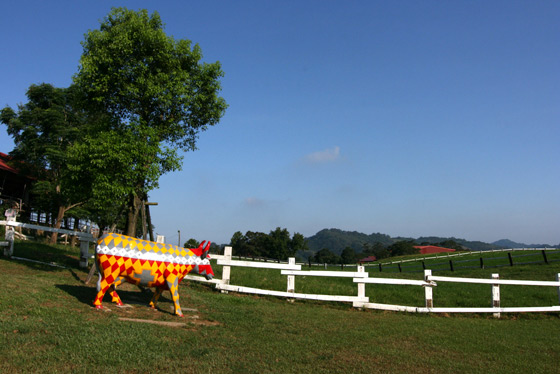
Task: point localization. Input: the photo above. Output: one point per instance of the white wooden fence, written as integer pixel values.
(361, 278)
(85, 238)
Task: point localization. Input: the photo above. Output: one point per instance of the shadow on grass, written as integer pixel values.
(86, 295)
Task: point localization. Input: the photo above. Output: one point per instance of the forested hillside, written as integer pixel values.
(337, 240)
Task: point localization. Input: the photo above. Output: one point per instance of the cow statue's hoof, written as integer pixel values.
(120, 303)
(99, 307)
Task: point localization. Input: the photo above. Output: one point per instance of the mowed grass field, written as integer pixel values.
(48, 324)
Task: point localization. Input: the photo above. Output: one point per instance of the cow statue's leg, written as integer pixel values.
(114, 296)
(102, 287)
(108, 276)
(156, 296)
(173, 284)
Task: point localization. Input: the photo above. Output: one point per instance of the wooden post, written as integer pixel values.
(451, 265)
(544, 256)
(143, 217)
(428, 291)
(510, 259)
(291, 278)
(226, 270)
(481, 263)
(496, 295)
(149, 222)
(400, 269)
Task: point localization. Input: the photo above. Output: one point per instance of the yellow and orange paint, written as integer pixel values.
(123, 258)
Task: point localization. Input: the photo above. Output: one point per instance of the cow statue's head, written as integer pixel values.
(203, 266)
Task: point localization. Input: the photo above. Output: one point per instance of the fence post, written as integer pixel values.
(544, 256)
(451, 264)
(226, 270)
(496, 295)
(291, 278)
(510, 259)
(84, 253)
(361, 286)
(9, 250)
(558, 280)
(481, 263)
(428, 291)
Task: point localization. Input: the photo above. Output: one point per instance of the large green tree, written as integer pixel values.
(44, 129)
(157, 97)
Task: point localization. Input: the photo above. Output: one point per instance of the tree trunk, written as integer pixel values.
(59, 217)
(134, 205)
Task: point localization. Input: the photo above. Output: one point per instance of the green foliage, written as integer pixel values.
(152, 96)
(349, 256)
(191, 243)
(277, 244)
(325, 256)
(43, 130)
(139, 98)
(402, 248)
(336, 240)
(377, 249)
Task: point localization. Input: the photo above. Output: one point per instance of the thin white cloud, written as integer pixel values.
(254, 202)
(327, 155)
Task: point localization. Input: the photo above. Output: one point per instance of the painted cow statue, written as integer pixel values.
(122, 258)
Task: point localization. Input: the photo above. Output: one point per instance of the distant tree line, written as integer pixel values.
(350, 256)
(276, 245)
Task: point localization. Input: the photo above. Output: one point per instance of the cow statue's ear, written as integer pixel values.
(206, 250)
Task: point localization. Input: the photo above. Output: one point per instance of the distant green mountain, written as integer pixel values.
(506, 243)
(336, 240)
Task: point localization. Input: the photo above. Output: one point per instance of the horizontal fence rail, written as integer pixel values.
(85, 238)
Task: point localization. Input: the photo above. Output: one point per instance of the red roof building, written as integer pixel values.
(427, 249)
(367, 259)
(4, 158)
(13, 185)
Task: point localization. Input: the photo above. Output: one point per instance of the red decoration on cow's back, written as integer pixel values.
(123, 258)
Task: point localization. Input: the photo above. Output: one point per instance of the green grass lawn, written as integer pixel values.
(48, 324)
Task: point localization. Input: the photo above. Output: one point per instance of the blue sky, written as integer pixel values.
(409, 118)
